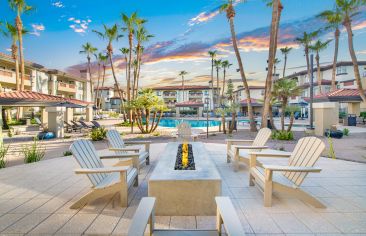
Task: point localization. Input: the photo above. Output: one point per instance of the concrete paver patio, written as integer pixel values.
(35, 200)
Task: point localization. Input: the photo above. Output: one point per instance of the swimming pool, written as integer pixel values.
(172, 123)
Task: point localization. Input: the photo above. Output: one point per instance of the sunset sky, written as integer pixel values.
(184, 32)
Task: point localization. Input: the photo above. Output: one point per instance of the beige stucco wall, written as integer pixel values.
(325, 115)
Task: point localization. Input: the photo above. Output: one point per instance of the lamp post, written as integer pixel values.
(210, 85)
(207, 102)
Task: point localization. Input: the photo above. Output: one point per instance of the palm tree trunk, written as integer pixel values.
(129, 68)
(90, 79)
(223, 84)
(283, 108)
(291, 122)
(253, 127)
(212, 80)
(183, 86)
(97, 93)
(223, 124)
(19, 25)
(284, 67)
(217, 86)
(271, 58)
(271, 118)
(117, 86)
(347, 24)
(317, 58)
(158, 121)
(103, 79)
(336, 45)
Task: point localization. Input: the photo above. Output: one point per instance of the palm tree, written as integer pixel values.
(213, 55)
(142, 36)
(20, 7)
(11, 32)
(225, 65)
(230, 14)
(112, 34)
(306, 41)
(89, 50)
(275, 24)
(317, 47)
(275, 63)
(130, 25)
(125, 52)
(182, 74)
(348, 9)
(103, 58)
(283, 89)
(217, 64)
(334, 21)
(285, 51)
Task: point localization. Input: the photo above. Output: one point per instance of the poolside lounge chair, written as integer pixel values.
(301, 161)
(85, 125)
(138, 155)
(76, 125)
(184, 132)
(237, 149)
(105, 180)
(69, 128)
(96, 124)
(226, 216)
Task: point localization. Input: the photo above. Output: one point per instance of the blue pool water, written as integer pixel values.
(172, 123)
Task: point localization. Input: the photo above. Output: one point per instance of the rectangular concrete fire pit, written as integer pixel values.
(185, 192)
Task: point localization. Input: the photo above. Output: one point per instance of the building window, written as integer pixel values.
(341, 70)
(262, 92)
(158, 93)
(364, 73)
(206, 92)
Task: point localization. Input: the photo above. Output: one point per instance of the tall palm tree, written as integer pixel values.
(283, 89)
(103, 58)
(348, 9)
(334, 21)
(112, 34)
(306, 41)
(142, 36)
(225, 65)
(213, 55)
(130, 23)
(89, 50)
(275, 24)
(182, 74)
(275, 63)
(20, 7)
(217, 64)
(285, 51)
(125, 52)
(317, 47)
(230, 14)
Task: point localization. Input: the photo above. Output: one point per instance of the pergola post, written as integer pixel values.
(44, 117)
(326, 114)
(177, 112)
(69, 114)
(56, 120)
(89, 113)
(200, 112)
(353, 108)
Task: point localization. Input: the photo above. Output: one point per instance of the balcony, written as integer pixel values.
(169, 95)
(8, 77)
(64, 87)
(195, 95)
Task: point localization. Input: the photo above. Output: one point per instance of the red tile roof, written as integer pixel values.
(29, 97)
(338, 96)
(254, 102)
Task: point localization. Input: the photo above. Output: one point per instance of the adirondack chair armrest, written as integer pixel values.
(146, 143)
(144, 214)
(128, 149)
(101, 170)
(233, 141)
(227, 216)
(291, 168)
(249, 147)
(120, 156)
(268, 154)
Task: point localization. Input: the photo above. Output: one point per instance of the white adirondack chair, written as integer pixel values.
(238, 149)
(226, 216)
(184, 132)
(105, 180)
(301, 161)
(138, 154)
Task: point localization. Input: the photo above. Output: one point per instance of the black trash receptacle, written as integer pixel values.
(269, 124)
(352, 120)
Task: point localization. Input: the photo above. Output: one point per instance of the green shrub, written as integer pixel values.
(67, 153)
(342, 115)
(16, 122)
(113, 114)
(10, 132)
(156, 134)
(346, 131)
(34, 122)
(363, 114)
(283, 135)
(3, 151)
(33, 152)
(98, 134)
(67, 136)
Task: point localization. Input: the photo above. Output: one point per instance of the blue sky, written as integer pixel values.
(184, 32)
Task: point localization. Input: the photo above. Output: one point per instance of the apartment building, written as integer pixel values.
(189, 96)
(109, 98)
(256, 94)
(46, 81)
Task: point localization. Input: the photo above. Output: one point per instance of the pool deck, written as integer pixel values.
(35, 200)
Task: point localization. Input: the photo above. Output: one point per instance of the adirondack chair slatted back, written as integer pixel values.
(262, 137)
(115, 140)
(184, 129)
(87, 157)
(305, 154)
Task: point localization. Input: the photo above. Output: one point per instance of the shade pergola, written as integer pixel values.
(34, 99)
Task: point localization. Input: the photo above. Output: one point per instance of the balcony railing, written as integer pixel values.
(169, 94)
(65, 87)
(8, 76)
(196, 95)
(6, 73)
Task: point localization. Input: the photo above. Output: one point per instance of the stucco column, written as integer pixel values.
(325, 115)
(44, 117)
(354, 108)
(53, 84)
(89, 113)
(177, 114)
(56, 120)
(200, 111)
